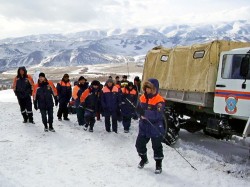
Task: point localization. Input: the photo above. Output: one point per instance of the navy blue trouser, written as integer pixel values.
(126, 121)
(89, 118)
(142, 141)
(80, 115)
(44, 113)
(109, 114)
(63, 110)
(26, 108)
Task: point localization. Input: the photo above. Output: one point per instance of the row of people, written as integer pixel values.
(112, 100)
(88, 100)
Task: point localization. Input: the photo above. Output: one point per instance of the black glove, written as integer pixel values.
(35, 106)
(139, 110)
(56, 101)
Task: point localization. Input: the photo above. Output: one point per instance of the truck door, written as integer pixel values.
(231, 97)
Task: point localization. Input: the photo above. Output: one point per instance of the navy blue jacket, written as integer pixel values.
(23, 85)
(90, 99)
(77, 92)
(44, 94)
(128, 101)
(64, 91)
(153, 106)
(110, 98)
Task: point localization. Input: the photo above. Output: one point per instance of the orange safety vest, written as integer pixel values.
(152, 101)
(126, 91)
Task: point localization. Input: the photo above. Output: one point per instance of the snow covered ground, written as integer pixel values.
(74, 157)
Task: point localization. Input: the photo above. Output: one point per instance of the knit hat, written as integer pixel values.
(110, 80)
(137, 79)
(82, 78)
(130, 84)
(41, 74)
(95, 83)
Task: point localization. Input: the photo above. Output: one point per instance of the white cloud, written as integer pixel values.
(26, 17)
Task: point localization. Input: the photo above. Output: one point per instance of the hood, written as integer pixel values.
(21, 68)
(153, 84)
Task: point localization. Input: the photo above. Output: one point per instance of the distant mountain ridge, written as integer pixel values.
(114, 45)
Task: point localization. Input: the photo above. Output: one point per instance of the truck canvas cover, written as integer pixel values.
(187, 68)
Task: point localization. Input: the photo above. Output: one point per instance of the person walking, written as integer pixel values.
(124, 82)
(64, 94)
(78, 89)
(44, 92)
(110, 100)
(23, 87)
(90, 101)
(128, 98)
(151, 124)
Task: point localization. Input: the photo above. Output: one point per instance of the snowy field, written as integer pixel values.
(74, 157)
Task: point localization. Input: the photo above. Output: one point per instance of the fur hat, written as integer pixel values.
(152, 84)
(41, 74)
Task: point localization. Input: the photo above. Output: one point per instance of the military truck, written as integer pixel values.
(206, 87)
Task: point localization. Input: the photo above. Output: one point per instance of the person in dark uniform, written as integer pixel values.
(44, 92)
(90, 101)
(64, 92)
(77, 92)
(23, 87)
(151, 124)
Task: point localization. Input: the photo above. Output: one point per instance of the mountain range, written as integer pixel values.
(111, 46)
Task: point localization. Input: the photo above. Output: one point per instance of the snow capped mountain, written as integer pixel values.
(114, 45)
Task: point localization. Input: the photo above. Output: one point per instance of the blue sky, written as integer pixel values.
(25, 17)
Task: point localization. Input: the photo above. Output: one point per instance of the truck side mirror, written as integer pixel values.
(244, 67)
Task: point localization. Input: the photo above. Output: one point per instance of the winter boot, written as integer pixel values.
(46, 128)
(86, 126)
(158, 168)
(91, 125)
(144, 160)
(25, 117)
(91, 129)
(51, 128)
(30, 116)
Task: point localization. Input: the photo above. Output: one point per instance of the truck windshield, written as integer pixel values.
(231, 66)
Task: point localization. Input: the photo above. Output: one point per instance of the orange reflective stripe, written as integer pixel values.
(54, 90)
(152, 101)
(31, 82)
(34, 91)
(14, 84)
(75, 91)
(106, 90)
(84, 95)
(62, 83)
(118, 86)
(125, 91)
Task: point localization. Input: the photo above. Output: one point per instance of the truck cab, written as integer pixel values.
(232, 92)
(232, 89)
